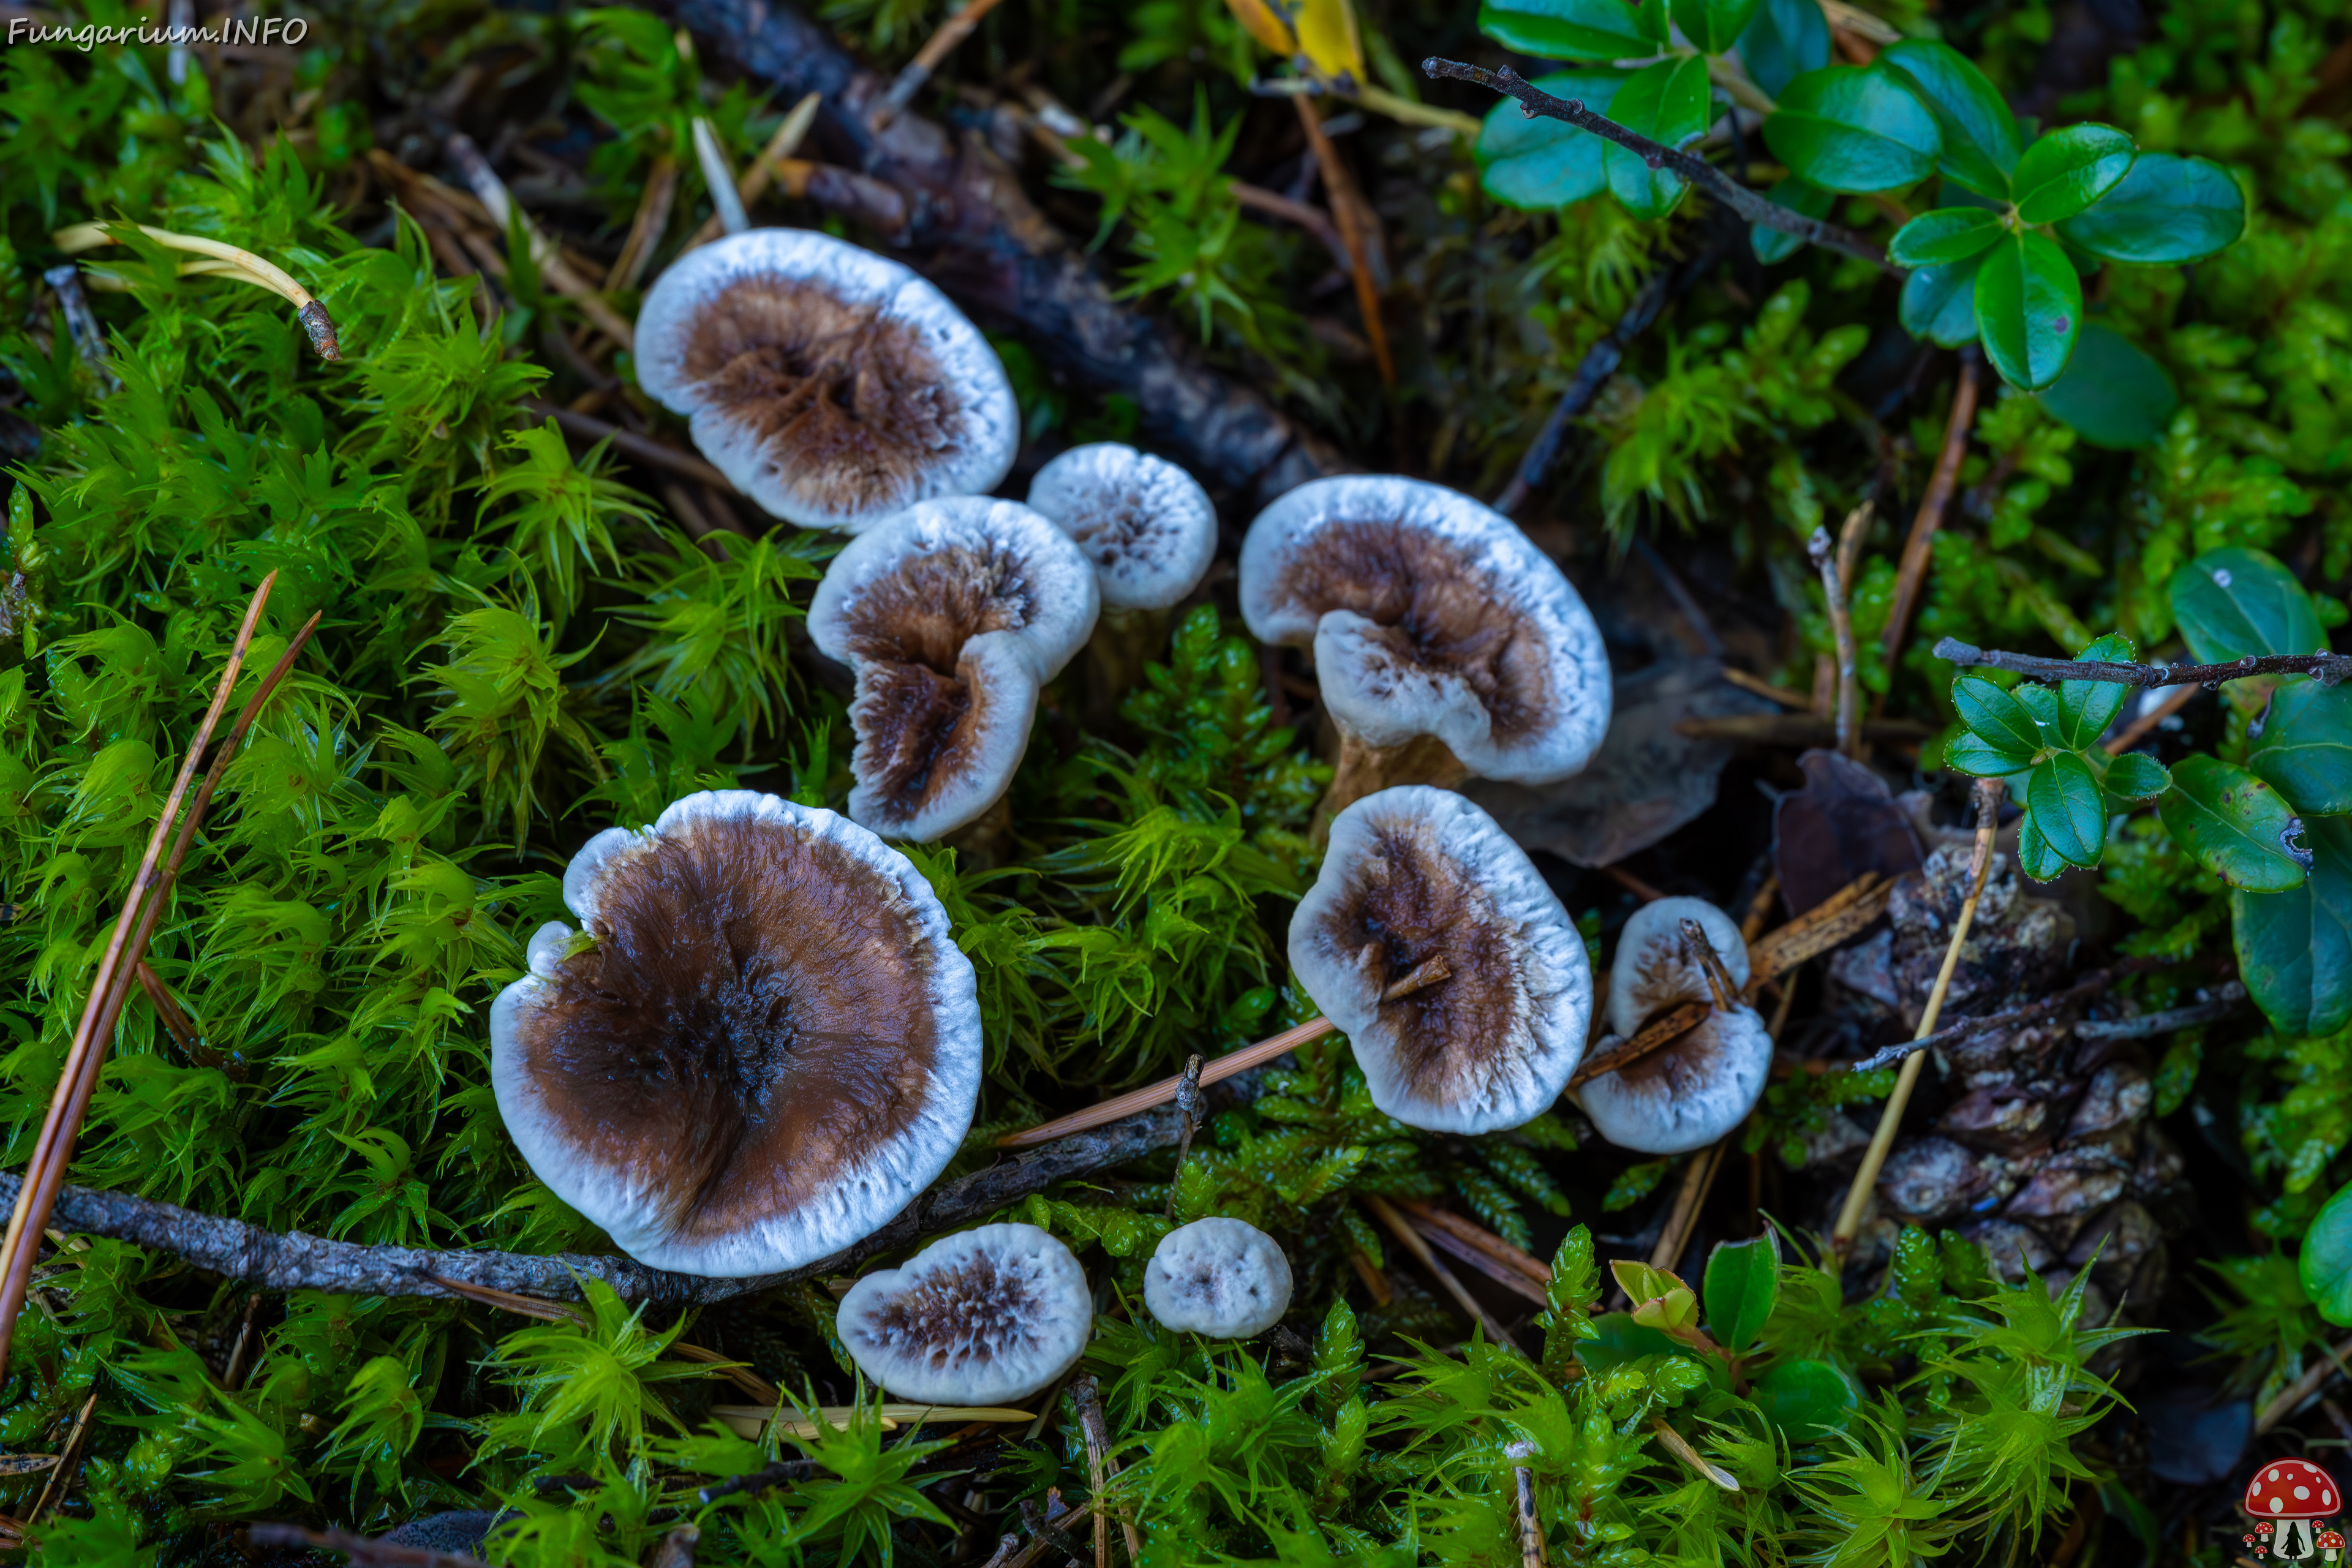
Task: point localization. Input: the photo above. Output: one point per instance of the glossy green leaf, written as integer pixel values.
(1773, 245)
(1939, 303)
(2305, 751)
(1618, 1338)
(1977, 136)
(2295, 949)
(1998, 717)
(2034, 855)
(1807, 1399)
(2136, 776)
(2236, 825)
(2323, 1262)
(2168, 209)
(1666, 102)
(1712, 25)
(2085, 708)
(1947, 234)
(2029, 308)
(1784, 40)
(1853, 128)
(2112, 393)
(1972, 755)
(1575, 29)
(2235, 602)
(1743, 1279)
(2063, 797)
(2067, 170)
(1541, 164)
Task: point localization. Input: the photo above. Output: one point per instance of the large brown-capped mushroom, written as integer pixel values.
(766, 1046)
(953, 613)
(1691, 1091)
(1435, 944)
(833, 386)
(1446, 645)
(982, 1316)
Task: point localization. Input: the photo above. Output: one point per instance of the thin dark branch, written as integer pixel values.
(782, 1473)
(2220, 1004)
(363, 1550)
(1748, 204)
(2327, 668)
(2090, 984)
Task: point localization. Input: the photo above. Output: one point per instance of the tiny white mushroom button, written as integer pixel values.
(1145, 523)
(982, 1316)
(1221, 1278)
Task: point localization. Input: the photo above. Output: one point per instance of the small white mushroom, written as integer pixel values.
(832, 386)
(1445, 643)
(953, 613)
(769, 1047)
(1435, 944)
(982, 1316)
(1687, 1094)
(1221, 1278)
(1145, 523)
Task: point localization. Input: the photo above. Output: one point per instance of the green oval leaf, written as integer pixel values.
(2112, 393)
(1972, 755)
(1939, 303)
(2234, 824)
(1540, 163)
(2324, 1262)
(1574, 29)
(1786, 39)
(2295, 949)
(2168, 209)
(1807, 1399)
(2063, 797)
(1713, 26)
(2136, 776)
(1978, 134)
(2034, 855)
(1996, 717)
(1667, 102)
(1773, 245)
(2029, 308)
(2067, 170)
(1947, 234)
(2085, 708)
(1853, 128)
(2305, 751)
(1743, 1279)
(2235, 602)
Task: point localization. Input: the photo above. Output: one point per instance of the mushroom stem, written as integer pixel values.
(1849, 1222)
(223, 261)
(1366, 769)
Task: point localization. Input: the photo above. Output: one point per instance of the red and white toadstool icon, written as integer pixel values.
(2294, 1493)
(2331, 1544)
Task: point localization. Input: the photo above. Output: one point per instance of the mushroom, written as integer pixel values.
(1145, 523)
(1448, 645)
(2293, 1492)
(1220, 1278)
(1694, 1089)
(981, 1317)
(760, 1046)
(953, 613)
(1431, 939)
(832, 386)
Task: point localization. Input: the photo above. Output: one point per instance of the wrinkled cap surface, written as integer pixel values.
(832, 386)
(1685, 1095)
(1221, 1278)
(1414, 874)
(1653, 973)
(983, 1317)
(1431, 614)
(953, 613)
(772, 1046)
(1145, 523)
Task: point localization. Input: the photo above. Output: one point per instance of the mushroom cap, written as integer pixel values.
(772, 1046)
(1685, 1095)
(1221, 1278)
(1145, 523)
(1413, 874)
(982, 1316)
(1431, 614)
(1652, 973)
(953, 613)
(832, 386)
(2291, 1488)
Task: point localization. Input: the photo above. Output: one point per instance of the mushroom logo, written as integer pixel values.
(2293, 1494)
(2331, 1544)
(1692, 1092)
(766, 1046)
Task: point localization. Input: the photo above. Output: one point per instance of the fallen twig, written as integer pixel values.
(1919, 547)
(1351, 213)
(645, 230)
(2139, 730)
(1827, 556)
(2314, 1378)
(2224, 1001)
(1698, 1180)
(1274, 203)
(364, 1551)
(2089, 984)
(960, 25)
(2327, 668)
(1383, 1211)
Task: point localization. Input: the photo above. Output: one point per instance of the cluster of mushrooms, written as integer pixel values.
(763, 1042)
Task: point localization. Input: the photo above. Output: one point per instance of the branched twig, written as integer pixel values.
(1748, 204)
(2090, 984)
(2220, 1004)
(2327, 668)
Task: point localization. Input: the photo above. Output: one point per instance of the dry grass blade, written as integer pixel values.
(643, 448)
(1386, 1213)
(1679, 1446)
(764, 170)
(1698, 1180)
(2285, 1402)
(1501, 1273)
(1485, 1241)
(491, 192)
(1160, 1093)
(651, 222)
(2139, 729)
(1354, 215)
(1836, 918)
(221, 260)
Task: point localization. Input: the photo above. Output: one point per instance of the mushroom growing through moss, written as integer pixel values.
(1446, 645)
(1433, 941)
(761, 1045)
(953, 613)
(1694, 1089)
(1221, 1278)
(981, 1317)
(833, 386)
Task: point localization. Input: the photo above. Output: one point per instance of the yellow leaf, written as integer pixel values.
(1261, 20)
(1328, 36)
